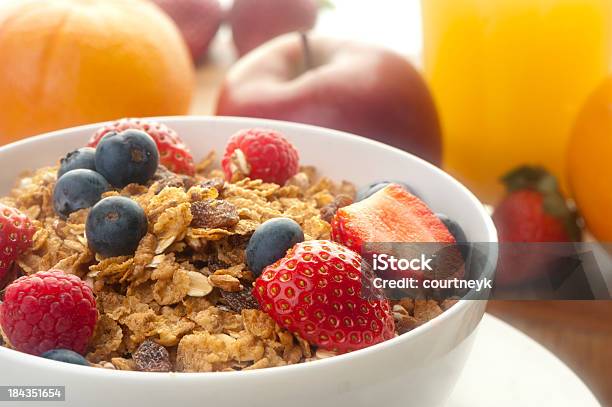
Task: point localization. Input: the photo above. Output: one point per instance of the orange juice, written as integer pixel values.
(509, 77)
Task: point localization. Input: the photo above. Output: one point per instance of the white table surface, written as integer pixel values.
(507, 368)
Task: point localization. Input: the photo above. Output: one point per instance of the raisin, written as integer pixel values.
(152, 357)
(216, 183)
(188, 182)
(13, 273)
(213, 214)
(162, 173)
(216, 264)
(237, 301)
(167, 178)
(170, 183)
(328, 211)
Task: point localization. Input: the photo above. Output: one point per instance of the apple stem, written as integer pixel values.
(306, 50)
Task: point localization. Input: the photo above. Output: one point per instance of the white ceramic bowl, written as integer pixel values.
(418, 369)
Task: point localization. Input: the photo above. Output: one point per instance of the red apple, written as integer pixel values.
(257, 21)
(198, 21)
(340, 84)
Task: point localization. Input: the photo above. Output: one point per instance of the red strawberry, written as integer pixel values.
(314, 291)
(198, 21)
(48, 310)
(260, 154)
(390, 215)
(173, 153)
(533, 211)
(16, 232)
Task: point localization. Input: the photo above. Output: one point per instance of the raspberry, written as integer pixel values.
(260, 154)
(16, 232)
(173, 152)
(314, 291)
(48, 310)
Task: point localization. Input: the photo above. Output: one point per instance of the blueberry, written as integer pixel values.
(453, 227)
(370, 189)
(66, 356)
(115, 226)
(84, 158)
(78, 189)
(271, 241)
(126, 158)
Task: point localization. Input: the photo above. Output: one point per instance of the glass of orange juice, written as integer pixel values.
(509, 77)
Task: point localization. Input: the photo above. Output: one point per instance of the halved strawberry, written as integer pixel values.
(390, 215)
(394, 215)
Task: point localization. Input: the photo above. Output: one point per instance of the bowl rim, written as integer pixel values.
(14, 356)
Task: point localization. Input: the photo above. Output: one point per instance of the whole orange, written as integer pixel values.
(590, 162)
(70, 62)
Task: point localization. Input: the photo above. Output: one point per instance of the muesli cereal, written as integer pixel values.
(178, 294)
